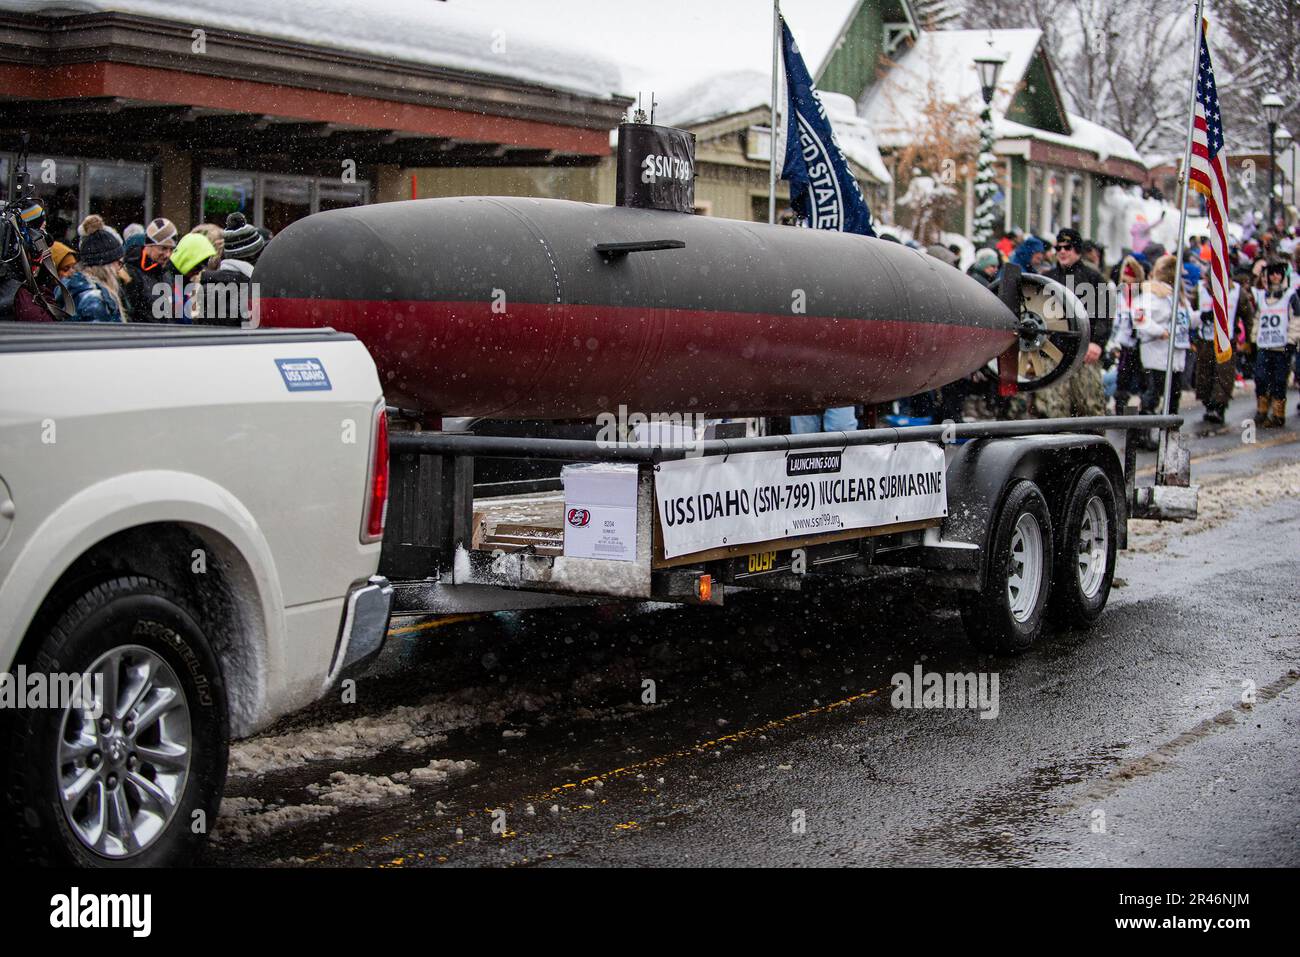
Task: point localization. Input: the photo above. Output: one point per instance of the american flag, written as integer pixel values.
(1209, 176)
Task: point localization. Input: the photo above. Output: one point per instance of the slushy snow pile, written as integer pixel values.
(243, 820)
(408, 727)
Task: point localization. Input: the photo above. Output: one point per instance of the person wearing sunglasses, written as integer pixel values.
(1081, 393)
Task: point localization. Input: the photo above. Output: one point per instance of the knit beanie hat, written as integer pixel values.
(984, 258)
(243, 241)
(161, 232)
(59, 253)
(191, 252)
(99, 244)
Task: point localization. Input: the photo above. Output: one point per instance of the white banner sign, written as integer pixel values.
(715, 501)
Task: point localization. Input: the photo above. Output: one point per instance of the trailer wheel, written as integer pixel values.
(130, 772)
(1007, 616)
(1085, 561)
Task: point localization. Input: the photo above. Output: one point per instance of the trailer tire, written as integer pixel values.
(1007, 616)
(1085, 561)
(139, 785)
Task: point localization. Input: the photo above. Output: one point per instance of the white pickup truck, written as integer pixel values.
(190, 520)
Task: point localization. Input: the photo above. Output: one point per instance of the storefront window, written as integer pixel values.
(58, 184)
(1051, 204)
(341, 195)
(117, 193)
(1033, 201)
(273, 202)
(284, 201)
(226, 193)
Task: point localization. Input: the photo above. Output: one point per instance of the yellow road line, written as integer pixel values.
(658, 761)
(430, 625)
(1286, 439)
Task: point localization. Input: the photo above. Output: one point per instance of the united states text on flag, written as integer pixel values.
(1209, 177)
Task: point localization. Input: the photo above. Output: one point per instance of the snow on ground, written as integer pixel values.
(439, 770)
(351, 790)
(1220, 501)
(408, 727)
(244, 820)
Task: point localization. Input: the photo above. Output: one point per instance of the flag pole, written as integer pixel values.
(776, 92)
(1182, 230)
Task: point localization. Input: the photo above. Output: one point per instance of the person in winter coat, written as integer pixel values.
(1029, 254)
(985, 267)
(1140, 231)
(217, 236)
(1081, 393)
(188, 259)
(1158, 329)
(1214, 379)
(1007, 244)
(149, 291)
(94, 285)
(1277, 334)
(132, 247)
(64, 258)
(228, 289)
(1129, 380)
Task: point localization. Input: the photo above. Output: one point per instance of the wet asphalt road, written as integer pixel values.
(772, 740)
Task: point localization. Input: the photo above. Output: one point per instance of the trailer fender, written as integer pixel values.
(978, 475)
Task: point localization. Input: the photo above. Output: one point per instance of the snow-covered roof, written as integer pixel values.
(943, 61)
(853, 134)
(730, 94)
(718, 95)
(596, 47)
(522, 40)
(1085, 135)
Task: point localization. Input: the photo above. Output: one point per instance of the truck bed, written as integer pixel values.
(514, 522)
(49, 336)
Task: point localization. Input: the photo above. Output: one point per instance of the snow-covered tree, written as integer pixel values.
(938, 14)
(1120, 64)
(986, 182)
(1256, 50)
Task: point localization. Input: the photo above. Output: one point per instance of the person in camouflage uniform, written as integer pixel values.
(1080, 393)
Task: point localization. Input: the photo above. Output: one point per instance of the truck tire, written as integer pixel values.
(1085, 561)
(124, 788)
(1007, 616)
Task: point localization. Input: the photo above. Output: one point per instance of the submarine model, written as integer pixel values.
(517, 308)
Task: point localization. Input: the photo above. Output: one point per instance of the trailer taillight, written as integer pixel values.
(377, 484)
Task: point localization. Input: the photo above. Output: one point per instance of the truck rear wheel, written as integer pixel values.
(130, 772)
(1007, 616)
(1085, 561)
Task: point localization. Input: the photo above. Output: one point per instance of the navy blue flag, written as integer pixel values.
(822, 190)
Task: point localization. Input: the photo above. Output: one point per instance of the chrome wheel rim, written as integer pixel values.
(1025, 568)
(124, 752)
(1094, 542)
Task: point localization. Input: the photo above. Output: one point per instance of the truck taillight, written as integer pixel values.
(377, 484)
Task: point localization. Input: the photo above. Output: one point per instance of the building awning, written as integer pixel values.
(135, 84)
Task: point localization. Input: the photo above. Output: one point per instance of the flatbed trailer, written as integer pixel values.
(1024, 518)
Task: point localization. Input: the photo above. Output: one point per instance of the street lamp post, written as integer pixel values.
(988, 65)
(1272, 104)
